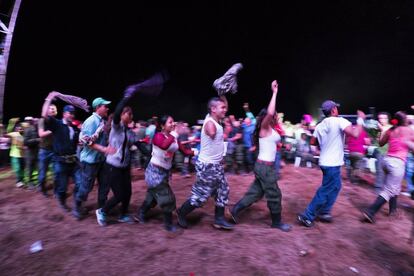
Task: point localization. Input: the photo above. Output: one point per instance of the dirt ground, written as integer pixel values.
(345, 247)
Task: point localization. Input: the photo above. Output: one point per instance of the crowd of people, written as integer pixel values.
(107, 146)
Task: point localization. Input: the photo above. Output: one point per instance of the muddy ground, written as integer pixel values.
(70, 247)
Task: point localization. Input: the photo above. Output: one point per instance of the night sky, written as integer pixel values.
(359, 53)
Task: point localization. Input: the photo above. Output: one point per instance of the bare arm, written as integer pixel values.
(236, 137)
(271, 109)
(210, 129)
(384, 137)
(355, 132)
(41, 130)
(314, 141)
(44, 133)
(48, 101)
(105, 150)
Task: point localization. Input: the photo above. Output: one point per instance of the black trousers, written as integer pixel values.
(119, 179)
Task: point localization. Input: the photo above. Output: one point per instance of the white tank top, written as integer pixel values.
(267, 147)
(211, 150)
(163, 158)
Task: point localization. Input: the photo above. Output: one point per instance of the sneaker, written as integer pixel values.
(325, 218)
(368, 217)
(19, 184)
(125, 219)
(304, 221)
(140, 217)
(100, 217)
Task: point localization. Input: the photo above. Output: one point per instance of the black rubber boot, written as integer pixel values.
(277, 223)
(168, 224)
(62, 203)
(393, 206)
(236, 210)
(140, 216)
(373, 209)
(185, 209)
(219, 221)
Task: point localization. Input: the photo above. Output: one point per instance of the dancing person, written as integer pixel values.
(380, 151)
(329, 134)
(31, 143)
(92, 155)
(117, 168)
(248, 127)
(400, 139)
(45, 150)
(265, 182)
(357, 151)
(65, 140)
(210, 178)
(158, 172)
(14, 132)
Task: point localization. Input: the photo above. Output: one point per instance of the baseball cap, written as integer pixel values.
(328, 105)
(99, 101)
(69, 108)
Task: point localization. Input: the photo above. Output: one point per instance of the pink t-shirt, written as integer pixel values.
(357, 144)
(397, 148)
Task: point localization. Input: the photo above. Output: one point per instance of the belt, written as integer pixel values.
(72, 158)
(268, 163)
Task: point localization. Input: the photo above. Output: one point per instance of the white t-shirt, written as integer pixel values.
(330, 135)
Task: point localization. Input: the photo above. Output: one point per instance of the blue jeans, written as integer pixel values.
(249, 157)
(327, 193)
(89, 173)
(45, 158)
(62, 173)
(409, 172)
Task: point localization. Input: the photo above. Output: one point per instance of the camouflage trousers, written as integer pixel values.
(210, 181)
(159, 191)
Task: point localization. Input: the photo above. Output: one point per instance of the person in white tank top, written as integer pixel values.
(265, 182)
(209, 169)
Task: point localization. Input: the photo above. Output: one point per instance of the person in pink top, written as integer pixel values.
(400, 139)
(356, 148)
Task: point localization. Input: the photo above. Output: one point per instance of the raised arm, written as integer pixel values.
(271, 109)
(48, 101)
(118, 110)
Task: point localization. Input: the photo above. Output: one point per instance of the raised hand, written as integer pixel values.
(274, 86)
(361, 114)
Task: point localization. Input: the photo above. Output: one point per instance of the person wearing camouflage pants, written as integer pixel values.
(209, 168)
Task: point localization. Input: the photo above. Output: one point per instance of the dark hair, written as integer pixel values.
(213, 102)
(399, 119)
(384, 113)
(327, 113)
(126, 109)
(259, 120)
(162, 121)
